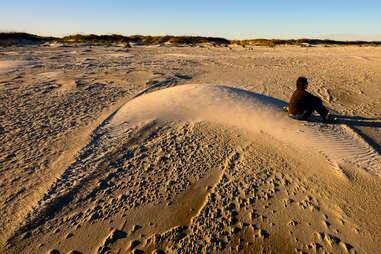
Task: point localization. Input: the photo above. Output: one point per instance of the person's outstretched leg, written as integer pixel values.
(307, 113)
(316, 105)
(319, 107)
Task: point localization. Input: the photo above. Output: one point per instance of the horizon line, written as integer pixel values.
(192, 35)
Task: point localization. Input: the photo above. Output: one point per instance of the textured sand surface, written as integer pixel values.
(186, 150)
(9, 66)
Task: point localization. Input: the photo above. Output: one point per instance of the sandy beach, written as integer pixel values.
(169, 149)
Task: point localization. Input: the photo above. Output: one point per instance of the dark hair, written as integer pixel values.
(301, 83)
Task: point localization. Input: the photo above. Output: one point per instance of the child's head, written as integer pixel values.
(302, 83)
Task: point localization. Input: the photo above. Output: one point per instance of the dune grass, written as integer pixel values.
(141, 39)
(303, 42)
(16, 38)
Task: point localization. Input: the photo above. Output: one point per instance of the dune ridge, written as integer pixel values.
(253, 112)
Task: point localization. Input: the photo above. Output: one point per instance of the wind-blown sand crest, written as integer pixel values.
(253, 112)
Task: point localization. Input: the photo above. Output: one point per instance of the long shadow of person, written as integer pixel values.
(360, 125)
(357, 121)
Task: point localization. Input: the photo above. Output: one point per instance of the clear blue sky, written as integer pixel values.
(237, 19)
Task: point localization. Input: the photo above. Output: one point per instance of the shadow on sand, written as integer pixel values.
(351, 121)
(356, 123)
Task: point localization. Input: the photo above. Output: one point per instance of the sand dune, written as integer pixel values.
(142, 161)
(152, 159)
(253, 112)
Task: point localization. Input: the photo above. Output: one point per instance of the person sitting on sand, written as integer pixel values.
(302, 104)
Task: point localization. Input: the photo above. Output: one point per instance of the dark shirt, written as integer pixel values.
(300, 101)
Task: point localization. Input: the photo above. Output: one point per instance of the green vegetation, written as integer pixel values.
(303, 42)
(24, 38)
(14, 38)
(93, 38)
(9, 39)
(140, 39)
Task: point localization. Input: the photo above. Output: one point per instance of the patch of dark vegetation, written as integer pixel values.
(95, 39)
(141, 39)
(15, 38)
(303, 42)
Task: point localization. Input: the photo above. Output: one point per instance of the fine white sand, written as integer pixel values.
(187, 150)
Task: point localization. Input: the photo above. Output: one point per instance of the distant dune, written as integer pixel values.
(8, 39)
